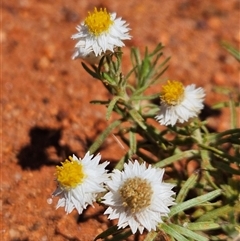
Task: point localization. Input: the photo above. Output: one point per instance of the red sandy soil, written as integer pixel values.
(46, 114)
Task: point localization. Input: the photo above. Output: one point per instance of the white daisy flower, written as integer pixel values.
(99, 33)
(138, 197)
(79, 182)
(179, 103)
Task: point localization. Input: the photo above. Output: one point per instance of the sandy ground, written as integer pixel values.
(46, 114)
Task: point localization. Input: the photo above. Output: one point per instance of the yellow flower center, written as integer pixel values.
(98, 22)
(172, 92)
(70, 174)
(136, 194)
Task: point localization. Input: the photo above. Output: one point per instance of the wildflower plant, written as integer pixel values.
(160, 130)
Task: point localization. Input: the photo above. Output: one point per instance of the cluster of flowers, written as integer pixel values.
(101, 33)
(137, 195)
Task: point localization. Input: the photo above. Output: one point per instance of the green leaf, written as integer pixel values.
(135, 56)
(200, 226)
(100, 139)
(206, 160)
(233, 113)
(130, 72)
(233, 51)
(108, 79)
(176, 157)
(219, 212)
(111, 106)
(138, 118)
(145, 97)
(230, 132)
(100, 65)
(188, 233)
(145, 68)
(219, 153)
(179, 207)
(121, 236)
(120, 164)
(224, 104)
(172, 232)
(190, 183)
(117, 235)
(132, 143)
(92, 73)
(99, 102)
(107, 232)
(140, 90)
(227, 168)
(156, 50)
(151, 236)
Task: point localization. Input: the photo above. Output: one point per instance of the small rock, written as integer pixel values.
(219, 78)
(14, 234)
(214, 23)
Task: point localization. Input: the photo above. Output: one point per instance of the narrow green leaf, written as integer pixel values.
(150, 111)
(138, 118)
(130, 72)
(206, 160)
(92, 73)
(100, 139)
(230, 139)
(132, 143)
(108, 79)
(227, 168)
(233, 113)
(100, 65)
(145, 66)
(151, 236)
(228, 132)
(190, 183)
(223, 104)
(121, 236)
(219, 212)
(108, 232)
(117, 235)
(141, 89)
(156, 50)
(219, 153)
(120, 164)
(188, 233)
(111, 106)
(201, 226)
(172, 232)
(136, 59)
(176, 157)
(157, 75)
(145, 97)
(179, 207)
(99, 102)
(233, 51)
